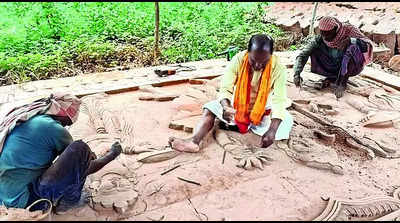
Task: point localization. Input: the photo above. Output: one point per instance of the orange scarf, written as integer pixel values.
(242, 94)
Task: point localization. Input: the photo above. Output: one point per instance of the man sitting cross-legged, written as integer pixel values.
(256, 83)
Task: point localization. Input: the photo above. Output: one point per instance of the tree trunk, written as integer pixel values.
(311, 32)
(156, 33)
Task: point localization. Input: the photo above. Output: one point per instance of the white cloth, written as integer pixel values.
(283, 130)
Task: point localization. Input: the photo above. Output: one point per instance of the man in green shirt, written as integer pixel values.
(341, 51)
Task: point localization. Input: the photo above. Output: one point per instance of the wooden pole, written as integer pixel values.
(156, 32)
(311, 32)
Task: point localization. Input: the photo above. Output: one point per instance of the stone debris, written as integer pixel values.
(384, 119)
(394, 63)
(157, 97)
(187, 124)
(380, 26)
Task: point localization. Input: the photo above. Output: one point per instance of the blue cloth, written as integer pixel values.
(28, 152)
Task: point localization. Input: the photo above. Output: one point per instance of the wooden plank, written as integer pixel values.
(122, 90)
(168, 83)
(382, 77)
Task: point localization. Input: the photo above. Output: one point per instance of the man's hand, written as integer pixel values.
(116, 149)
(341, 83)
(339, 91)
(228, 113)
(92, 155)
(269, 137)
(297, 80)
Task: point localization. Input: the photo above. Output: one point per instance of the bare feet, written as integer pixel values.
(183, 145)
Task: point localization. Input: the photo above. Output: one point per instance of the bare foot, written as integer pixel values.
(183, 145)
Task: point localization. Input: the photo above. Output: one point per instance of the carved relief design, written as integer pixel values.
(378, 208)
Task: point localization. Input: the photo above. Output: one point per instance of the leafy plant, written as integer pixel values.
(40, 40)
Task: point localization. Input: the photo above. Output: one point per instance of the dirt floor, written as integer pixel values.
(285, 189)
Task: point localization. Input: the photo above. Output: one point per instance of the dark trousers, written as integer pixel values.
(352, 63)
(64, 179)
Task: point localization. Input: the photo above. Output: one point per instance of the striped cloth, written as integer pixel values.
(58, 104)
(344, 33)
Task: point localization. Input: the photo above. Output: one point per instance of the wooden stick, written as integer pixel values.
(223, 157)
(197, 213)
(169, 170)
(189, 181)
(156, 32)
(311, 32)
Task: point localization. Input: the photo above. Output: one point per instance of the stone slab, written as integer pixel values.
(382, 77)
(109, 82)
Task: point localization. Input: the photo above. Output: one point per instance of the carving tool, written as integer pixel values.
(167, 171)
(172, 71)
(166, 72)
(189, 181)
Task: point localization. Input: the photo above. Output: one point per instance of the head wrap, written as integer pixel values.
(343, 33)
(59, 104)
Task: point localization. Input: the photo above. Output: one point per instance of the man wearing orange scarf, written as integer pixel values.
(252, 96)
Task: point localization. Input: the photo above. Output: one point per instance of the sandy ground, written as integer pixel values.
(285, 190)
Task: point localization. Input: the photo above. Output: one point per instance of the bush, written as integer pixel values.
(40, 40)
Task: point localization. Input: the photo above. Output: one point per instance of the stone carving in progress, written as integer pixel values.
(113, 190)
(300, 150)
(108, 125)
(113, 187)
(311, 154)
(249, 156)
(368, 146)
(377, 208)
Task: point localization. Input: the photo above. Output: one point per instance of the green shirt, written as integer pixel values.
(313, 43)
(28, 151)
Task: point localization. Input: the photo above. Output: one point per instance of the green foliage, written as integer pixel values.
(293, 47)
(39, 40)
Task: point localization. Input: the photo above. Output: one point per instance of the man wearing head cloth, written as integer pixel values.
(32, 136)
(339, 52)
